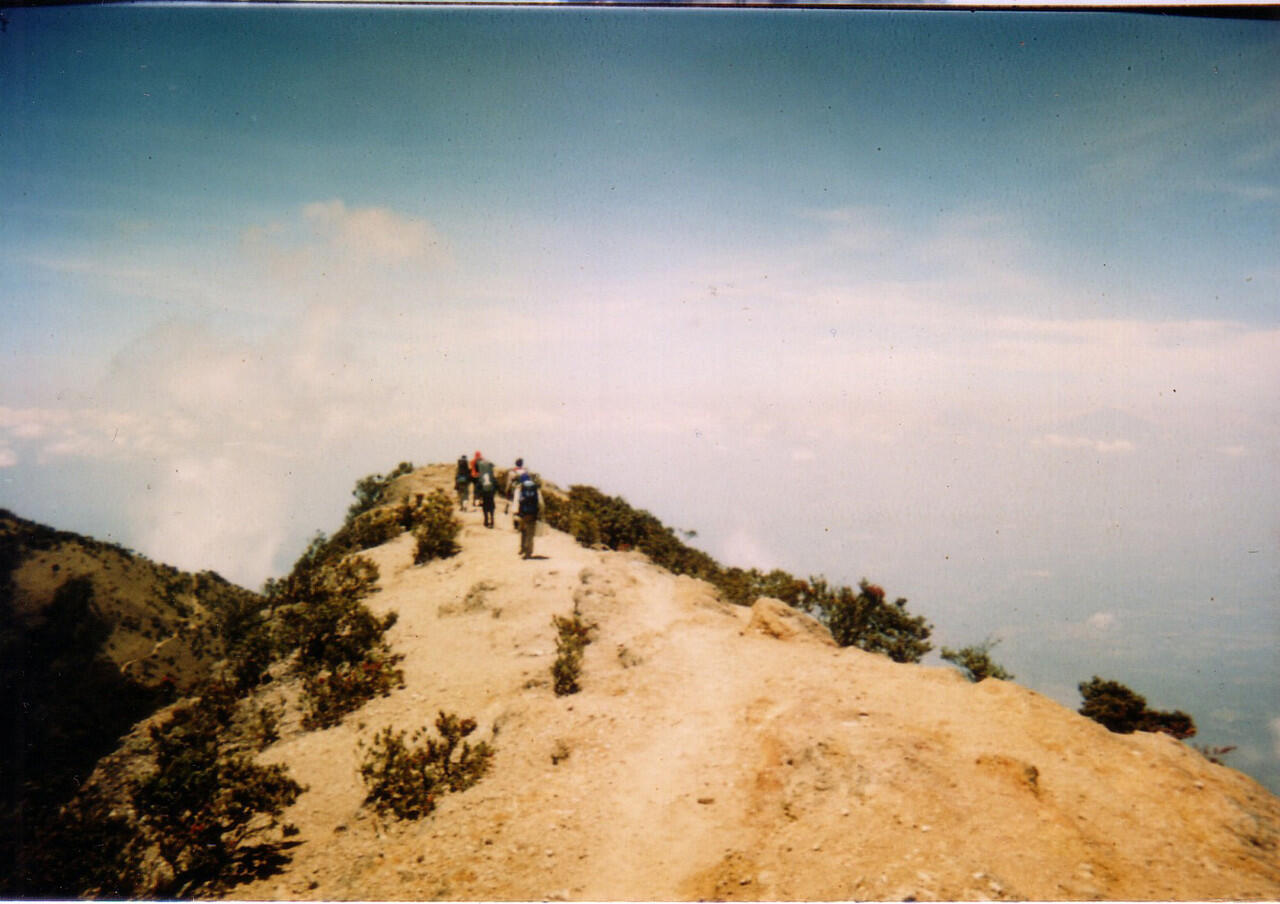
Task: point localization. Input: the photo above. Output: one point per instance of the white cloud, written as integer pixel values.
(8, 458)
(206, 510)
(746, 550)
(1102, 446)
(374, 234)
(1101, 621)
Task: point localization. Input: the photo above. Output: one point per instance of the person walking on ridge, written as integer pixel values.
(528, 500)
(475, 479)
(487, 487)
(462, 481)
(514, 477)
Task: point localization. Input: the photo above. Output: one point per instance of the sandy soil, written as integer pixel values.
(722, 752)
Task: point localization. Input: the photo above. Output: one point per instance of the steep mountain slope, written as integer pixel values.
(159, 622)
(92, 638)
(726, 752)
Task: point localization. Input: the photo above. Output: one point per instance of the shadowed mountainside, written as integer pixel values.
(92, 638)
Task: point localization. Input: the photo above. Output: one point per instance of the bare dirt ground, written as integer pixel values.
(730, 753)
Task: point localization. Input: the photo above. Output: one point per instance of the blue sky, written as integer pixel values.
(984, 307)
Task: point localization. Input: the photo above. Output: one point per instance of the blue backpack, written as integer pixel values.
(528, 496)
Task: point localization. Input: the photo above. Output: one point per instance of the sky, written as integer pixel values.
(983, 307)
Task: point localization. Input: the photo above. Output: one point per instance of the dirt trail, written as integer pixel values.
(713, 756)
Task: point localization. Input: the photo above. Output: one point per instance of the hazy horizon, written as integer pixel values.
(980, 306)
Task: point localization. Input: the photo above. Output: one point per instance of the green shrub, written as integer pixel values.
(266, 726)
(867, 622)
(90, 851)
(330, 695)
(367, 530)
(596, 519)
(205, 798)
(341, 653)
(572, 637)
(1123, 711)
(407, 780)
(323, 618)
(371, 491)
(250, 656)
(976, 662)
(436, 528)
(860, 619)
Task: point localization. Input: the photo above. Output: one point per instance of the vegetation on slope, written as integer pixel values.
(406, 781)
(859, 618)
(975, 661)
(1123, 711)
(93, 637)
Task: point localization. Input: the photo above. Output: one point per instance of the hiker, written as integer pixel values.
(487, 487)
(514, 476)
(475, 480)
(462, 481)
(528, 500)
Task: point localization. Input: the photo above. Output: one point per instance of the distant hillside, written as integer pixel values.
(92, 638)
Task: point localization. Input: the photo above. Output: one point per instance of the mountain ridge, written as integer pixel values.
(717, 751)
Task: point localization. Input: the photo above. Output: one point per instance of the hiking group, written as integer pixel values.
(475, 480)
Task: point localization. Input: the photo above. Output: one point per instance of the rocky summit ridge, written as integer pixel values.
(727, 752)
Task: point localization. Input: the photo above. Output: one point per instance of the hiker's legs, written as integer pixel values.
(527, 527)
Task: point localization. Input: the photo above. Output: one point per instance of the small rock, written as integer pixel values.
(745, 881)
(706, 800)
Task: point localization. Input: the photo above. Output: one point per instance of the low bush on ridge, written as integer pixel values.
(206, 799)
(339, 647)
(572, 637)
(406, 781)
(434, 527)
(862, 619)
(1123, 711)
(976, 662)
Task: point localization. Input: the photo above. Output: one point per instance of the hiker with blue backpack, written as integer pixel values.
(527, 499)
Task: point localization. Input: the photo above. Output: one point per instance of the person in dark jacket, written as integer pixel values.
(462, 481)
(487, 487)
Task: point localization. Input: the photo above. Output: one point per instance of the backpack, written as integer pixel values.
(528, 496)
